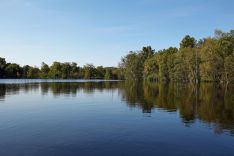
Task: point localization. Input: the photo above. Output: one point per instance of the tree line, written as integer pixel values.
(209, 59)
(57, 70)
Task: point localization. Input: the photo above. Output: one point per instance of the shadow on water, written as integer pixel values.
(212, 104)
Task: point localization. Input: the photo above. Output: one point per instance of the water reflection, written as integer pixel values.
(56, 88)
(73, 88)
(212, 104)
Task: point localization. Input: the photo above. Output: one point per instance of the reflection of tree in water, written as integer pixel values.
(13, 89)
(73, 88)
(132, 93)
(2, 92)
(57, 89)
(217, 106)
(210, 103)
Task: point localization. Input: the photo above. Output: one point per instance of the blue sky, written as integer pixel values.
(101, 31)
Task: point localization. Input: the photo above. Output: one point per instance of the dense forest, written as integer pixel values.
(210, 59)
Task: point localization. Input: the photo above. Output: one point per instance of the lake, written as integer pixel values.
(87, 118)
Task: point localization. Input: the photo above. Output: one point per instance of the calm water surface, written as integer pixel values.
(63, 118)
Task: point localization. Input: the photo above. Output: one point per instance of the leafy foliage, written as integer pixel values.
(209, 59)
(58, 70)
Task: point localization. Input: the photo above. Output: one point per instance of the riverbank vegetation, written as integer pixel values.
(210, 59)
(57, 70)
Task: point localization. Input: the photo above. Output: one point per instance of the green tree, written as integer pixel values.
(74, 71)
(107, 74)
(171, 57)
(151, 69)
(89, 71)
(131, 65)
(25, 70)
(188, 42)
(226, 52)
(2, 67)
(163, 68)
(166, 63)
(180, 73)
(45, 69)
(55, 70)
(211, 66)
(146, 53)
(66, 70)
(229, 68)
(191, 60)
(101, 72)
(13, 70)
(33, 73)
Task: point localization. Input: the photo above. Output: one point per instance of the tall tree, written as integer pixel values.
(108, 74)
(66, 70)
(2, 67)
(133, 63)
(229, 68)
(151, 69)
(56, 70)
(132, 66)
(188, 42)
(13, 70)
(25, 71)
(211, 67)
(191, 60)
(74, 71)
(45, 69)
(33, 73)
(89, 71)
(166, 63)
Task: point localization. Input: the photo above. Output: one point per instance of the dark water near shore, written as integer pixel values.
(82, 118)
